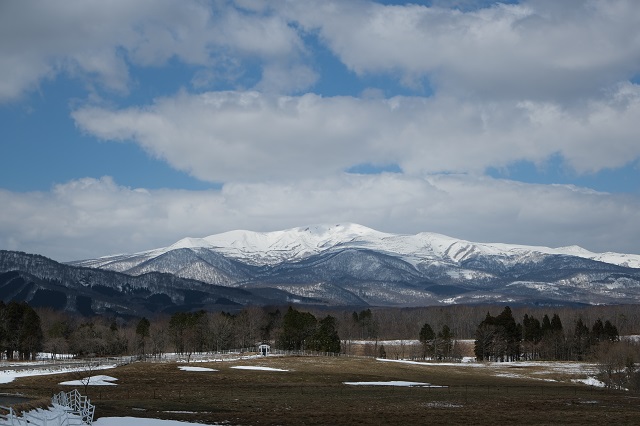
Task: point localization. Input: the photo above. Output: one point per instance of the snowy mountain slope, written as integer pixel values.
(271, 248)
(353, 264)
(197, 263)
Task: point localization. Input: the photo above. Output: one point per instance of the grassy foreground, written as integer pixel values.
(312, 392)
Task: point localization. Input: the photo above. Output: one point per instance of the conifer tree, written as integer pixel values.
(531, 335)
(325, 338)
(426, 337)
(13, 325)
(556, 324)
(142, 331)
(445, 343)
(610, 332)
(510, 334)
(31, 336)
(597, 331)
(546, 325)
(581, 340)
(556, 337)
(297, 330)
(382, 353)
(485, 338)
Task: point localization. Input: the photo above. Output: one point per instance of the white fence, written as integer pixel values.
(76, 404)
(69, 409)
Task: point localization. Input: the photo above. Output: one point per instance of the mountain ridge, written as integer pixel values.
(321, 265)
(349, 263)
(44, 282)
(269, 248)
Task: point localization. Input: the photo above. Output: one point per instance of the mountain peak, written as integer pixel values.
(188, 243)
(270, 248)
(290, 244)
(340, 228)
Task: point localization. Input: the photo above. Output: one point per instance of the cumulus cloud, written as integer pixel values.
(98, 41)
(540, 50)
(226, 136)
(88, 217)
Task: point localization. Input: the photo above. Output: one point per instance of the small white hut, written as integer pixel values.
(264, 349)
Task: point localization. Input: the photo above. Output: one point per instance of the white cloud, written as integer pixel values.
(539, 50)
(249, 136)
(542, 50)
(98, 40)
(87, 218)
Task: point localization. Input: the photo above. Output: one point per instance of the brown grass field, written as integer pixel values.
(312, 392)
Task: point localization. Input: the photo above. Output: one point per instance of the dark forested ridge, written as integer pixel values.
(43, 282)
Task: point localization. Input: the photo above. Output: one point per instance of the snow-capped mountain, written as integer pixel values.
(272, 248)
(353, 264)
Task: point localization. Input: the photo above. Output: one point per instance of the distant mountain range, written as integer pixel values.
(345, 264)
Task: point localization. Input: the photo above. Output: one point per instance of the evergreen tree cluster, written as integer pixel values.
(436, 346)
(366, 324)
(20, 331)
(302, 331)
(500, 338)
(91, 338)
(188, 331)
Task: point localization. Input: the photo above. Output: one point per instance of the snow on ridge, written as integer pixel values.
(189, 243)
(269, 248)
(291, 244)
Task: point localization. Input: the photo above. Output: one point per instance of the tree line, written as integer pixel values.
(194, 332)
(197, 331)
(501, 338)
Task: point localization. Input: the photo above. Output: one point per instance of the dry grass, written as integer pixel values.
(312, 392)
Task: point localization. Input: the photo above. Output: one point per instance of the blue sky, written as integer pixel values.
(129, 125)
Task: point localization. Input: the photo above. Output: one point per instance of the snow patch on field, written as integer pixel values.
(249, 367)
(591, 381)
(442, 405)
(8, 376)
(187, 368)
(400, 383)
(100, 380)
(136, 421)
(212, 358)
(581, 372)
(426, 363)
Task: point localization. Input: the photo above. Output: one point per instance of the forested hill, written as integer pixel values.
(42, 282)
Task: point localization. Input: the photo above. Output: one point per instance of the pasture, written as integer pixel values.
(312, 391)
